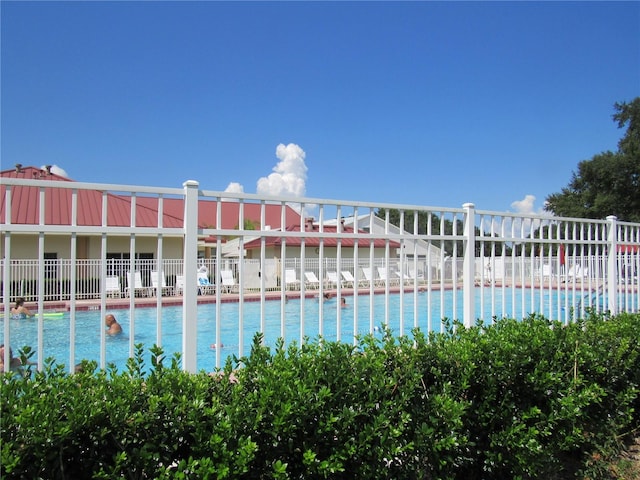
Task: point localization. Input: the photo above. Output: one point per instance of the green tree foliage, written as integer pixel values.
(248, 225)
(609, 183)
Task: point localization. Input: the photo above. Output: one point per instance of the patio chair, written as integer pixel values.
(138, 289)
(179, 288)
(482, 275)
(545, 272)
(332, 280)
(228, 281)
(349, 281)
(205, 287)
(406, 278)
(159, 287)
(384, 277)
(575, 273)
(370, 277)
(291, 280)
(311, 281)
(112, 286)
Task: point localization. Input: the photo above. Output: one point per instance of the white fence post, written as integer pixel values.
(468, 266)
(612, 271)
(190, 292)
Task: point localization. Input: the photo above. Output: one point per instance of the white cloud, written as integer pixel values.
(234, 187)
(289, 176)
(517, 226)
(56, 170)
(524, 206)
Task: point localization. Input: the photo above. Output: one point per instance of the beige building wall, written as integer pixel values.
(25, 247)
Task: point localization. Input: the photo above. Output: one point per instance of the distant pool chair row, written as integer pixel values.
(228, 283)
(158, 286)
(292, 283)
(346, 279)
(205, 287)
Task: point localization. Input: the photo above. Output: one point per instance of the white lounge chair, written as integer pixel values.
(349, 281)
(291, 280)
(311, 281)
(228, 281)
(407, 278)
(545, 272)
(159, 287)
(138, 289)
(370, 277)
(576, 273)
(179, 289)
(205, 287)
(112, 286)
(384, 277)
(404, 279)
(332, 280)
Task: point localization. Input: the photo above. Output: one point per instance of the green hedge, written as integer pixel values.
(518, 399)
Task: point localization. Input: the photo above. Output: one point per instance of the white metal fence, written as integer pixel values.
(495, 264)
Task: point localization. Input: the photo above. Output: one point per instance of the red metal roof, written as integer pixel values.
(628, 248)
(315, 242)
(25, 207)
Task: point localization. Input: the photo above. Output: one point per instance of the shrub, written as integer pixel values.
(528, 399)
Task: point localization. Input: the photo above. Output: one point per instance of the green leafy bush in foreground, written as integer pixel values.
(518, 399)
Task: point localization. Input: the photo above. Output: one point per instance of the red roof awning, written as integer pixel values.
(628, 248)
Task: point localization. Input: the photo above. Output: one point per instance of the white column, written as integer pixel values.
(468, 266)
(612, 270)
(190, 291)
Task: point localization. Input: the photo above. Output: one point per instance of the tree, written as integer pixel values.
(629, 113)
(609, 183)
(248, 225)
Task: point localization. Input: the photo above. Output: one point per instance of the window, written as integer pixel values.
(50, 265)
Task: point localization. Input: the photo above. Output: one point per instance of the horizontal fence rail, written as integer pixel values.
(266, 264)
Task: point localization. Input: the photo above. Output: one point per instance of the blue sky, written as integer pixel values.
(422, 103)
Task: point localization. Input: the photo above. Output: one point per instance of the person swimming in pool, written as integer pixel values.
(14, 362)
(113, 327)
(20, 311)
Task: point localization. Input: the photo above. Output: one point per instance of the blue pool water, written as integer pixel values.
(430, 309)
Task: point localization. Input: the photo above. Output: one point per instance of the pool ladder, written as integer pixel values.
(594, 297)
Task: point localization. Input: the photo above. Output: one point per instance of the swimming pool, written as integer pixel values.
(298, 317)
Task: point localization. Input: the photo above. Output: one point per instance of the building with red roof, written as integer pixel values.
(59, 210)
(74, 226)
(331, 237)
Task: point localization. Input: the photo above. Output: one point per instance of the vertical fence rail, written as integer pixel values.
(6, 277)
(469, 315)
(612, 288)
(190, 299)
